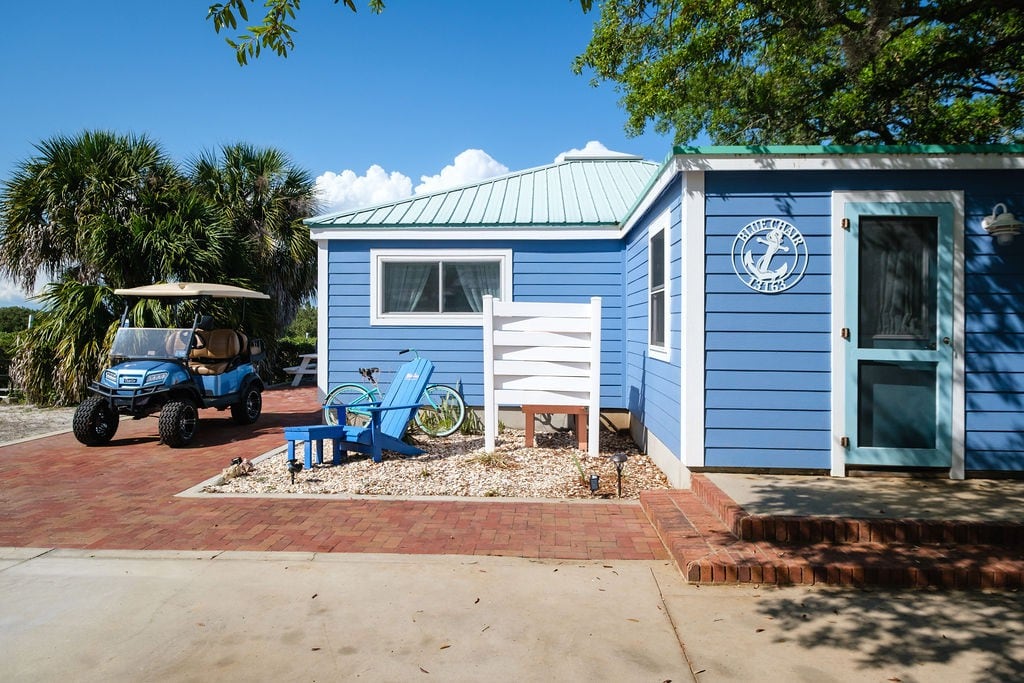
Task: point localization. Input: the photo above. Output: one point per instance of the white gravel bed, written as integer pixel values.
(22, 421)
(458, 466)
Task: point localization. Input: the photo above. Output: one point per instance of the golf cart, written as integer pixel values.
(174, 371)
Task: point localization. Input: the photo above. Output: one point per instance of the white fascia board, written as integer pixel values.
(905, 162)
(667, 174)
(483, 235)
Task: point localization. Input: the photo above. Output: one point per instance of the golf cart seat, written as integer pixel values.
(218, 349)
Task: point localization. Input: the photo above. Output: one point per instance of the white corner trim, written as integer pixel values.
(692, 378)
(322, 310)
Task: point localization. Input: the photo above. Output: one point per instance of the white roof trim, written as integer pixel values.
(853, 162)
(612, 232)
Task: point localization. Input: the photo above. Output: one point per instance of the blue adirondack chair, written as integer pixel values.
(388, 421)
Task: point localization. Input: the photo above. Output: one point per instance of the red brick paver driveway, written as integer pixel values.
(55, 492)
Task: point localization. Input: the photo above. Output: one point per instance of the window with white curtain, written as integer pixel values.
(436, 287)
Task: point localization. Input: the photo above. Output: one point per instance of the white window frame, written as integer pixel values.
(380, 256)
(661, 225)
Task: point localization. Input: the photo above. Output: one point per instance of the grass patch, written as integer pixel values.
(501, 461)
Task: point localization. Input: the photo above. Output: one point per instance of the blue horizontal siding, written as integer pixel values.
(652, 385)
(800, 439)
(570, 271)
(767, 399)
(767, 458)
(1000, 461)
(767, 357)
(994, 322)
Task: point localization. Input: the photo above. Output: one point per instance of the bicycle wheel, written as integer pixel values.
(443, 411)
(351, 396)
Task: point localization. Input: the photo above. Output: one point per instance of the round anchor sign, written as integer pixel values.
(769, 255)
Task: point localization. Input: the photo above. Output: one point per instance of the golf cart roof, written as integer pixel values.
(185, 290)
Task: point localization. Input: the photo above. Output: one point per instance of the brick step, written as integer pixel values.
(850, 530)
(706, 551)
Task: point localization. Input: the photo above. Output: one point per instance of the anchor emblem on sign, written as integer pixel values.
(761, 270)
(781, 241)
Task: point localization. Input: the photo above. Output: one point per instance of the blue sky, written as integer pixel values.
(374, 105)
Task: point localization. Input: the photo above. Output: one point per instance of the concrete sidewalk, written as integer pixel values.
(235, 616)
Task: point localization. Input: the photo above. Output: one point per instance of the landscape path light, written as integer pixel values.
(619, 459)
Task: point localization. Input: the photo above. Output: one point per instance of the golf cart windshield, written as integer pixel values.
(144, 342)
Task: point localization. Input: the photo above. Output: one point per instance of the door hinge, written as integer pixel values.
(845, 333)
(845, 224)
(844, 441)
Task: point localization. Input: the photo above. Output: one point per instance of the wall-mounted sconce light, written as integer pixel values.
(1002, 224)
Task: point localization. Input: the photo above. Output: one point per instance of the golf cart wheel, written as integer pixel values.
(94, 423)
(248, 410)
(179, 422)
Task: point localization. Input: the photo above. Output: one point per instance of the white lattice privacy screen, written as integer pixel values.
(545, 354)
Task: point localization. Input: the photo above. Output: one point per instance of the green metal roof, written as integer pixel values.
(579, 191)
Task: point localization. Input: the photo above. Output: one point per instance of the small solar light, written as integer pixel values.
(293, 467)
(236, 461)
(595, 482)
(619, 459)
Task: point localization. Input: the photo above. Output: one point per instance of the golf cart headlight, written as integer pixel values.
(156, 378)
(110, 377)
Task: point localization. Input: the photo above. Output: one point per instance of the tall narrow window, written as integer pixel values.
(657, 256)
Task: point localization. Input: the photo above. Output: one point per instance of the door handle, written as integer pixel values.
(946, 341)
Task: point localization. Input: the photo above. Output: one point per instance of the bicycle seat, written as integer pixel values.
(368, 373)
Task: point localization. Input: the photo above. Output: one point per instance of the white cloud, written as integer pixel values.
(592, 149)
(470, 166)
(346, 190)
(10, 295)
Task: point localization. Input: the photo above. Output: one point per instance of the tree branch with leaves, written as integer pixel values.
(815, 71)
(274, 32)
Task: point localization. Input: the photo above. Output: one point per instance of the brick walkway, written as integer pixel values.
(712, 540)
(54, 492)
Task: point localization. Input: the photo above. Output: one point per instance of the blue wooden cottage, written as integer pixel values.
(771, 308)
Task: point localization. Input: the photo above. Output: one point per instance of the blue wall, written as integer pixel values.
(767, 379)
(994, 303)
(556, 271)
(768, 383)
(652, 384)
(767, 359)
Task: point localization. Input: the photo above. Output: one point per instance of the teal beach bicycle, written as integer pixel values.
(442, 412)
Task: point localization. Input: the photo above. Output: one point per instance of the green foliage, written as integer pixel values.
(274, 32)
(55, 361)
(260, 199)
(820, 71)
(304, 324)
(474, 424)
(286, 354)
(101, 211)
(14, 318)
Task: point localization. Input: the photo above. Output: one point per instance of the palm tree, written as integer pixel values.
(92, 213)
(263, 198)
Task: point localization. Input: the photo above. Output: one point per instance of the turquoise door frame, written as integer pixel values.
(894, 388)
